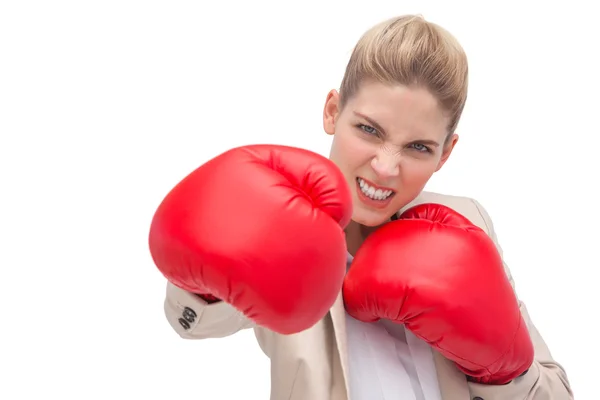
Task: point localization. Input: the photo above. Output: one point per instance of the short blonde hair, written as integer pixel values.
(410, 51)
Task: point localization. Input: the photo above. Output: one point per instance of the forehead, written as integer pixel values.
(401, 110)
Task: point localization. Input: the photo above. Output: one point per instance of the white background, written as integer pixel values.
(105, 105)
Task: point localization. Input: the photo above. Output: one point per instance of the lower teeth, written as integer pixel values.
(375, 198)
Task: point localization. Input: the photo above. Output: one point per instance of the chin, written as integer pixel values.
(372, 218)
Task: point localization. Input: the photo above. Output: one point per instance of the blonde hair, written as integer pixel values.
(410, 51)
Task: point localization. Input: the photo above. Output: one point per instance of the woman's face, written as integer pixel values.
(388, 141)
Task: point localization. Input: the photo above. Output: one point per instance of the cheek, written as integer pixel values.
(416, 172)
(350, 151)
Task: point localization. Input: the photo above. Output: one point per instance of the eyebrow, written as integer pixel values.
(383, 132)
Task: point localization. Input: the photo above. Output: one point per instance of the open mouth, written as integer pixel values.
(373, 191)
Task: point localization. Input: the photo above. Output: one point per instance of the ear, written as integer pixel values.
(330, 111)
(448, 147)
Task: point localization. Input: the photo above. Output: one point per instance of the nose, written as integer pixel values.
(386, 164)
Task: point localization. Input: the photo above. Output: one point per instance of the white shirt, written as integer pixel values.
(388, 362)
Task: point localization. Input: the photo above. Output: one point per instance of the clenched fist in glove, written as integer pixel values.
(259, 227)
(443, 278)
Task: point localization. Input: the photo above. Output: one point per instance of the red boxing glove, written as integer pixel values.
(443, 277)
(260, 227)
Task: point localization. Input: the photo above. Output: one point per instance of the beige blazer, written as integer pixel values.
(313, 364)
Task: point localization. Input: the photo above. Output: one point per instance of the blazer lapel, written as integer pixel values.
(338, 318)
(453, 383)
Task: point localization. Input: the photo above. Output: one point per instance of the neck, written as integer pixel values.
(356, 235)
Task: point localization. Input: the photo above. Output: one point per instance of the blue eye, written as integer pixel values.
(421, 148)
(368, 129)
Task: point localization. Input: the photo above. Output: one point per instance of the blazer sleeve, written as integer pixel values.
(193, 318)
(546, 379)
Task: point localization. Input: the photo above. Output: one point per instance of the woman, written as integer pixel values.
(393, 125)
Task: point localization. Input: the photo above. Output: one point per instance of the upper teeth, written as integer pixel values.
(370, 191)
